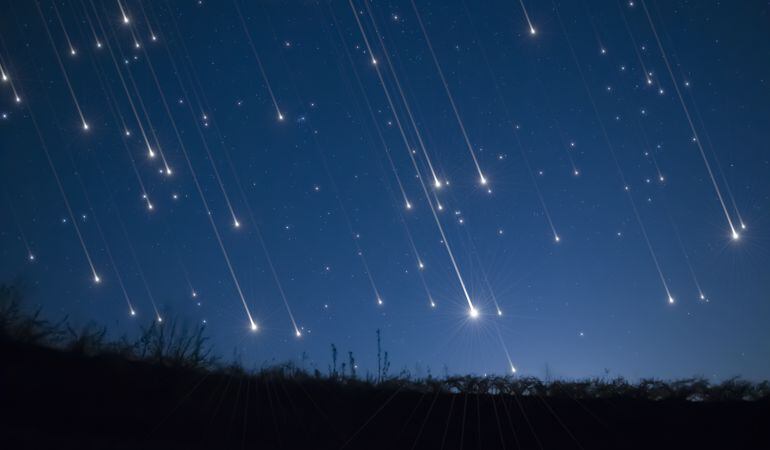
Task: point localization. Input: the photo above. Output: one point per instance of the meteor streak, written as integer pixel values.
(532, 30)
(734, 233)
(61, 66)
(611, 148)
(444, 239)
(259, 61)
(63, 194)
(436, 182)
(482, 179)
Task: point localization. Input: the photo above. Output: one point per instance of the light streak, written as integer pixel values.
(611, 148)
(209, 215)
(532, 30)
(444, 239)
(61, 66)
(734, 233)
(436, 181)
(74, 222)
(482, 179)
(259, 61)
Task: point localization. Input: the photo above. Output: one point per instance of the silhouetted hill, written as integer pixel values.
(164, 392)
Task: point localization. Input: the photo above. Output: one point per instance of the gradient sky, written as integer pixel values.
(321, 189)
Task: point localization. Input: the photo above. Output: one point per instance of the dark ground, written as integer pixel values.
(55, 399)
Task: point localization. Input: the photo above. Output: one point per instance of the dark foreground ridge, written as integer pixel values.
(75, 390)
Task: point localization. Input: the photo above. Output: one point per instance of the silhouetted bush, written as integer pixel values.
(171, 344)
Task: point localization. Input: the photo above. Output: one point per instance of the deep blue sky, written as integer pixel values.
(592, 302)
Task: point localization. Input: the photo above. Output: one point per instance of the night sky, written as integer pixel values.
(575, 195)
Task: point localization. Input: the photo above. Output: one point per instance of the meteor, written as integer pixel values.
(7, 79)
(59, 61)
(259, 61)
(734, 232)
(407, 147)
(482, 179)
(72, 50)
(123, 14)
(44, 146)
(611, 148)
(236, 222)
(198, 187)
(532, 30)
(436, 181)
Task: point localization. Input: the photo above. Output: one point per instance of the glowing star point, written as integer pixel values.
(408, 205)
(499, 312)
(160, 319)
(437, 183)
(420, 265)
(702, 296)
(85, 126)
(473, 313)
(254, 326)
(31, 257)
(133, 313)
(532, 31)
(735, 235)
(280, 117)
(670, 300)
(236, 224)
(150, 206)
(513, 369)
(483, 181)
(97, 280)
(298, 333)
(380, 302)
(556, 238)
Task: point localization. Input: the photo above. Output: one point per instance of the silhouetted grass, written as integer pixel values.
(172, 344)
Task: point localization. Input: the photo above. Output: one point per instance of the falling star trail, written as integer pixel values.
(482, 179)
(733, 232)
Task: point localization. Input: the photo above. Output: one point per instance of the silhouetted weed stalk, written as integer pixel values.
(172, 344)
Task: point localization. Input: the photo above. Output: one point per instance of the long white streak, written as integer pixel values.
(734, 234)
(218, 177)
(509, 118)
(150, 151)
(112, 103)
(505, 348)
(84, 124)
(198, 187)
(482, 179)
(259, 61)
(526, 16)
(203, 103)
(73, 220)
(611, 148)
(436, 182)
(393, 109)
(366, 39)
(72, 50)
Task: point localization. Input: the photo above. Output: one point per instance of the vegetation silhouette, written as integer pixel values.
(74, 388)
